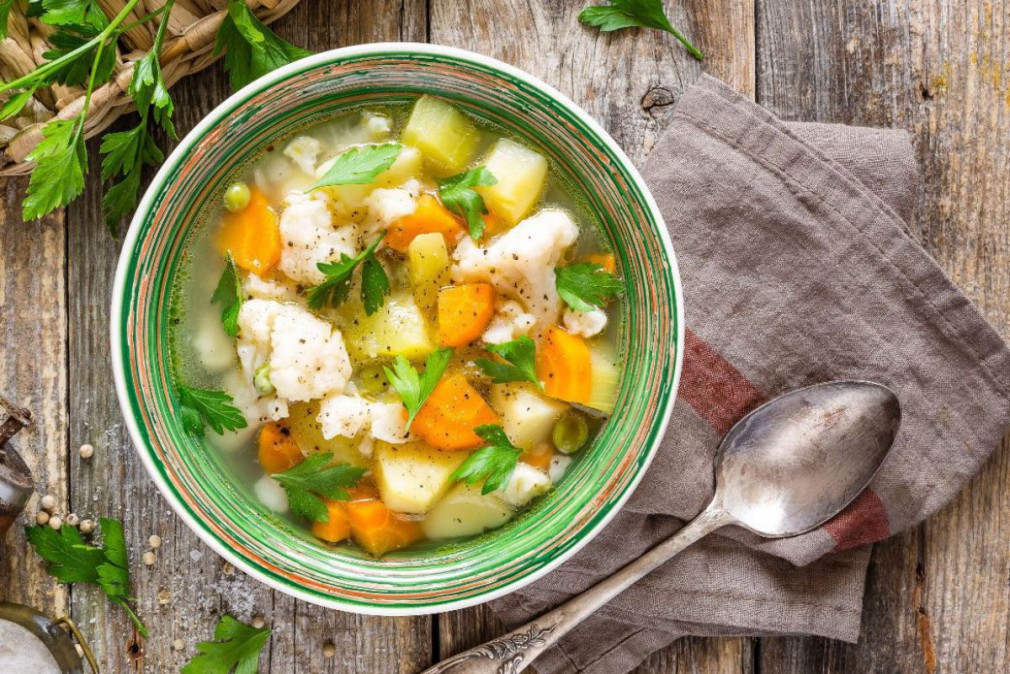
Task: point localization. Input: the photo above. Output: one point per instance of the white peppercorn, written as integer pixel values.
(42, 517)
(56, 522)
(87, 526)
(329, 650)
(73, 520)
(149, 558)
(48, 502)
(87, 451)
(258, 622)
(154, 541)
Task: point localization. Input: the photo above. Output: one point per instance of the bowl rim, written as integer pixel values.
(158, 183)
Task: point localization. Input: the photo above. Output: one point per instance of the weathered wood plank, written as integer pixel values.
(184, 593)
(33, 334)
(937, 597)
(629, 81)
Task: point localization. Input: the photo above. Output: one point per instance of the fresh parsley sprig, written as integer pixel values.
(618, 14)
(70, 560)
(520, 355)
(415, 388)
(586, 285)
(206, 407)
(334, 290)
(494, 464)
(360, 165)
(251, 50)
(313, 479)
(229, 295)
(236, 648)
(457, 194)
(83, 52)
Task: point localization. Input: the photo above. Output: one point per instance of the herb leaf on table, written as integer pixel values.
(618, 14)
(71, 560)
(229, 295)
(494, 464)
(360, 165)
(251, 49)
(334, 290)
(520, 355)
(586, 285)
(206, 407)
(314, 478)
(457, 194)
(415, 388)
(236, 648)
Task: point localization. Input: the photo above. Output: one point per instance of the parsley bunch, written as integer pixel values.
(70, 560)
(84, 54)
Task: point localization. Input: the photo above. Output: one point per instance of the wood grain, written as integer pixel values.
(937, 598)
(33, 335)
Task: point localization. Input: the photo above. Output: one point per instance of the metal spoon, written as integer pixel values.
(782, 470)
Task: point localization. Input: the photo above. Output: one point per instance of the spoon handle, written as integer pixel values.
(513, 652)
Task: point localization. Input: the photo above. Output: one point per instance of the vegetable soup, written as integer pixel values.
(400, 325)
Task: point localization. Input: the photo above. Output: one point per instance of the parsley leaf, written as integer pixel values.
(413, 388)
(586, 285)
(312, 479)
(213, 408)
(360, 165)
(521, 366)
(251, 49)
(125, 154)
(16, 103)
(458, 197)
(236, 647)
(493, 464)
(76, 13)
(229, 294)
(70, 560)
(60, 161)
(618, 14)
(334, 290)
(5, 12)
(374, 285)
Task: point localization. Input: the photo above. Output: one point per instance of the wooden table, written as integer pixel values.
(938, 597)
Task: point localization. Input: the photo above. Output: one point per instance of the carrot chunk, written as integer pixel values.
(278, 450)
(564, 366)
(253, 235)
(605, 260)
(430, 217)
(337, 528)
(451, 412)
(375, 528)
(464, 312)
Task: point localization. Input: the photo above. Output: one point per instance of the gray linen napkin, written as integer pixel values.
(798, 267)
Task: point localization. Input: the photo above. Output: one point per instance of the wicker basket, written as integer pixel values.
(189, 47)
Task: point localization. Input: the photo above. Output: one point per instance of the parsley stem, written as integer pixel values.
(694, 51)
(140, 22)
(133, 616)
(49, 66)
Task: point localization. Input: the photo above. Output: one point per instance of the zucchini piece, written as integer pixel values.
(605, 380)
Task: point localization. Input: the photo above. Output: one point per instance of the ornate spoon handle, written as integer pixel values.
(513, 652)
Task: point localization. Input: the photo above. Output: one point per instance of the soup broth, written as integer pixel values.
(397, 325)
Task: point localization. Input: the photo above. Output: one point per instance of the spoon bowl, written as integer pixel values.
(795, 462)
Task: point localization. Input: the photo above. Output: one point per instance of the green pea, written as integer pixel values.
(261, 380)
(236, 197)
(570, 433)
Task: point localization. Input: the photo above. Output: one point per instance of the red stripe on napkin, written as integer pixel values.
(863, 522)
(713, 388)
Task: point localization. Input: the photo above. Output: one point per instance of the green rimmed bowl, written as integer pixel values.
(434, 578)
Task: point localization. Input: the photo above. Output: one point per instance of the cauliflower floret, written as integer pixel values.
(308, 238)
(389, 424)
(349, 415)
(304, 152)
(558, 468)
(343, 415)
(585, 323)
(376, 126)
(306, 354)
(509, 322)
(213, 345)
(258, 288)
(525, 485)
(271, 494)
(520, 263)
(386, 206)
